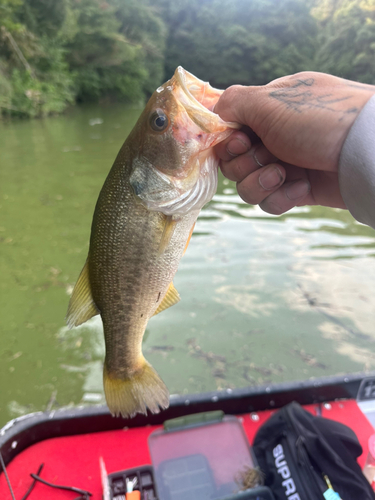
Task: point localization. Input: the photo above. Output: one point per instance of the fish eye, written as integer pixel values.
(158, 120)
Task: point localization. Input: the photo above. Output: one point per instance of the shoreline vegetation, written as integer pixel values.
(54, 54)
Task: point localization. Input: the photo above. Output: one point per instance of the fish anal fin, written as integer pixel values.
(169, 227)
(189, 238)
(170, 299)
(81, 305)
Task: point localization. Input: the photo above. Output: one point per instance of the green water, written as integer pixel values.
(263, 298)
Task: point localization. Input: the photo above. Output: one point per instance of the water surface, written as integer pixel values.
(263, 298)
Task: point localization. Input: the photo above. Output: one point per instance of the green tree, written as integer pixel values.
(112, 52)
(226, 41)
(8, 14)
(53, 53)
(32, 61)
(44, 17)
(141, 24)
(346, 38)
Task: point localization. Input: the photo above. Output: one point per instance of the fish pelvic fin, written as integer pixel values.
(81, 305)
(170, 299)
(129, 396)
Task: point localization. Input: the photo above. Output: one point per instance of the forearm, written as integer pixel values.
(357, 167)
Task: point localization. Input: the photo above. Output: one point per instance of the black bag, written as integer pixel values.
(297, 450)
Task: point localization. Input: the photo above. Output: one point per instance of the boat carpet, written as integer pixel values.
(74, 460)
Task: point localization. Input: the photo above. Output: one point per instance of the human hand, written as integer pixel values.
(302, 121)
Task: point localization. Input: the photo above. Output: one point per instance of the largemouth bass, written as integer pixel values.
(163, 175)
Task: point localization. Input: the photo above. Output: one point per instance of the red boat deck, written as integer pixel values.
(74, 460)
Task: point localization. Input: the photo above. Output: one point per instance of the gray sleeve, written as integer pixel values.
(357, 167)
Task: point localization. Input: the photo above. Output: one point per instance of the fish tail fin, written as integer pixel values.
(134, 394)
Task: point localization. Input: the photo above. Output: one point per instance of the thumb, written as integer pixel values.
(240, 104)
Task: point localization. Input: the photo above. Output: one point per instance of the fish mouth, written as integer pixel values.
(199, 99)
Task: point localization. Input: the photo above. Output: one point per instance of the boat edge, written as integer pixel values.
(24, 431)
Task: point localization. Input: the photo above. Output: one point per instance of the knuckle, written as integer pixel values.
(231, 93)
(239, 169)
(229, 101)
(302, 75)
(242, 166)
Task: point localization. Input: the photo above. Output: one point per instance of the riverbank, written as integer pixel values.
(56, 54)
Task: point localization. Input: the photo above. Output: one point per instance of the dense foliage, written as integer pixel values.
(54, 53)
(347, 38)
(242, 41)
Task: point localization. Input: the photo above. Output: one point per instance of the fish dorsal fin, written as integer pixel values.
(81, 305)
(170, 299)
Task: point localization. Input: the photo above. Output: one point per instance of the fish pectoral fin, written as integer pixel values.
(189, 238)
(81, 305)
(170, 299)
(169, 227)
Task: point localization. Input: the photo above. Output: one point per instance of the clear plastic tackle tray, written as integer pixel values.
(200, 457)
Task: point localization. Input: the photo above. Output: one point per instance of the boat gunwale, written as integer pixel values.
(24, 431)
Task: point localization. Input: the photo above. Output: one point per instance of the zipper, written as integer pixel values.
(304, 461)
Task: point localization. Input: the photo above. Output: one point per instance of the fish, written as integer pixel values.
(163, 175)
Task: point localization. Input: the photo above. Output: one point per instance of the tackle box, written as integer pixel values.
(145, 483)
(203, 457)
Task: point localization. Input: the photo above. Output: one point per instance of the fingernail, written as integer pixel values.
(297, 190)
(270, 178)
(237, 147)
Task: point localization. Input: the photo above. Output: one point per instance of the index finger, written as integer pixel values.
(236, 144)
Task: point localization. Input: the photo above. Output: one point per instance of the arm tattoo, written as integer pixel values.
(299, 96)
